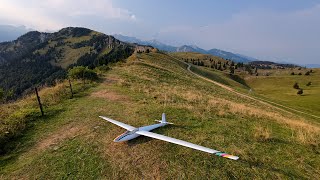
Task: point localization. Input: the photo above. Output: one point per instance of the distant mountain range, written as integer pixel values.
(9, 33)
(187, 48)
(312, 65)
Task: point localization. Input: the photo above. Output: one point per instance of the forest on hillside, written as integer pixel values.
(43, 58)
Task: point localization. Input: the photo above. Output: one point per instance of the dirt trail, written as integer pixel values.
(263, 101)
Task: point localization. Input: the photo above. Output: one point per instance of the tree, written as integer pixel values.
(9, 94)
(231, 70)
(307, 73)
(147, 51)
(296, 86)
(83, 73)
(309, 83)
(300, 73)
(292, 73)
(248, 69)
(300, 91)
(1, 94)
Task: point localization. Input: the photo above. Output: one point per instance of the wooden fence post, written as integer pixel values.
(39, 102)
(70, 88)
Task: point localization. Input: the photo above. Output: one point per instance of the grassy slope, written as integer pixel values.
(70, 55)
(194, 55)
(75, 143)
(284, 92)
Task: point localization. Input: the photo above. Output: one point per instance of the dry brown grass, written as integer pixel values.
(262, 133)
(64, 133)
(306, 137)
(113, 96)
(264, 112)
(200, 103)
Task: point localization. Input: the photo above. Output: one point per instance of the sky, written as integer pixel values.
(275, 30)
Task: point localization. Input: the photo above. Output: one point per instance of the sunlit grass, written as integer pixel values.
(75, 143)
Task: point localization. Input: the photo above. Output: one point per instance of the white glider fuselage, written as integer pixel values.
(128, 135)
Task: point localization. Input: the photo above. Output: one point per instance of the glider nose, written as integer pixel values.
(118, 139)
(121, 137)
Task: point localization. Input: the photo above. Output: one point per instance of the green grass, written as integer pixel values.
(196, 56)
(280, 89)
(70, 55)
(75, 143)
(233, 81)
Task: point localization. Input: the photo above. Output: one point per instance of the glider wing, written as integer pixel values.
(186, 144)
(123, 125)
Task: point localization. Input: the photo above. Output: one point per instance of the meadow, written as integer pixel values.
(73, 142)
(278, 87)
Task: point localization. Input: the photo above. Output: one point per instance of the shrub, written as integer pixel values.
(309, 83)
(300, 73)
(300, 91)
(292, 73)
(262, 134)
(83, 73)
(1, 94)
(231, 70)
(103, 68)
(296, 86)
(307, 73)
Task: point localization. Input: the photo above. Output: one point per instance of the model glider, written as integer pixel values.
(133, 132)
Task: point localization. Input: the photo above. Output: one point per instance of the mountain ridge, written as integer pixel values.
(40, 58)
(187, 48)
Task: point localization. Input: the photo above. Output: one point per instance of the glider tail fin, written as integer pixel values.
(163, 120)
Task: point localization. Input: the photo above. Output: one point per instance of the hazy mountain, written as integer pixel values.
(312, 65)
(153, 43)
(187, 48)
(9, 33)
(231, 56)
(190, 48)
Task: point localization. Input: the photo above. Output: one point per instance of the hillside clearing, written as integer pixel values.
(76, 143)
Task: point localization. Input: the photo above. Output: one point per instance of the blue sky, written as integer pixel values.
(286, 30)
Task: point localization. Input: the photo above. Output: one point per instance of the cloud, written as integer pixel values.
(55, 14)
(268, 35)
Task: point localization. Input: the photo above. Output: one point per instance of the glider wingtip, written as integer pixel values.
(225, 155)
(234, 158)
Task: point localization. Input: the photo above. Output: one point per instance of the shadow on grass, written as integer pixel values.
(139, 140)
(256, 163)
(238, 79)
(144, 139)
(273, 140)
(24, 140)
